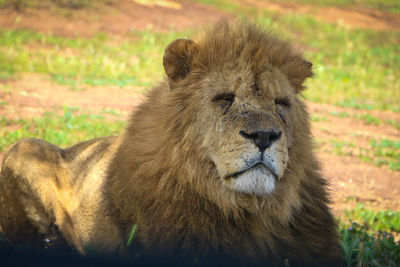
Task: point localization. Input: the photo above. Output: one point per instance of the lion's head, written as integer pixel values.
(246, 89)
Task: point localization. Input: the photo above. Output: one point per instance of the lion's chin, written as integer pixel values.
(257, 180)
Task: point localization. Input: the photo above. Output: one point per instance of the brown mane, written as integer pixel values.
(167, 164)
(245, 42)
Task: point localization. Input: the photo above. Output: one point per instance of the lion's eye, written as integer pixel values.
(282, 102)
(255, 87)
(224, 101)
(282, 106)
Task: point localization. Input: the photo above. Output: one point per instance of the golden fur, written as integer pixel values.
(217, 163)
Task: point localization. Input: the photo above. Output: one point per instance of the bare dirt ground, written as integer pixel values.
(354, 16)
(352, 180)
(120, 18)
(124, 16)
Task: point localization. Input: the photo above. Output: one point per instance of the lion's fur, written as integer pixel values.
(159, 175)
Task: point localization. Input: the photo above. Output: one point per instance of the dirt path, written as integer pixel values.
(349, 16)
(34, 94)
(125, 16)
(352, 180)
(120, 18)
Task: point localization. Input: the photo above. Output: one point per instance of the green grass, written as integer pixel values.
(386, 152)
(365, 248)
(352, 66)
(383, 5)
(379, 151)
(341, 147)
(101, 60)
(394, 123)
(368, 237)
(367, 119)
(340, 114)
(131, 236)
(383, 220)
(63, 130)
(318, 118)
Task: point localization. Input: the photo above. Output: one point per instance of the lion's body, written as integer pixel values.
(50, 186)
(201, 172)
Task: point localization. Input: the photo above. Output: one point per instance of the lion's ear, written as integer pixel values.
(297, 71)
(178, 59)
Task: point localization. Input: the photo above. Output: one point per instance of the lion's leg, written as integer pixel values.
(13, 216)
(33, 187)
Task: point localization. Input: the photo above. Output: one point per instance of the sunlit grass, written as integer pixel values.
(353, 67)
(318, 118)
(62, 130)
(378, 151)
(367, 119)
(100, 60)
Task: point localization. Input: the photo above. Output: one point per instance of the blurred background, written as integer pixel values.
(71, 70)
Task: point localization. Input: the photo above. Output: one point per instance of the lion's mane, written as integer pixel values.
(162, 180)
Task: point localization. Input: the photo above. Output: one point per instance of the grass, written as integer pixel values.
(354, 69)
(342, 147)
(377, 151)
(365, 248)
(370, 238)
(340, 114)
(394, 123)
(131, 236)
(386, 152)
(367, 119)
(383, 220)
(100, 60)
(352, 73)
(63, 130)
(383, 5)
(318, 118)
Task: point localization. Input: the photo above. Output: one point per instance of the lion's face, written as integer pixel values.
(244, 99)
(249, 130)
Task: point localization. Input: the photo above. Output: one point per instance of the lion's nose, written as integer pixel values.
(261, 139)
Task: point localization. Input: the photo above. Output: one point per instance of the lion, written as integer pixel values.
(216, 163)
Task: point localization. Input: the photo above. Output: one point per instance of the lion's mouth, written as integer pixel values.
(258, 165)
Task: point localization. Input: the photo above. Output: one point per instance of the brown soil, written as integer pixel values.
(33, 94)
(360, 17)
(124, 16)
(352, 180)
(120, 18)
